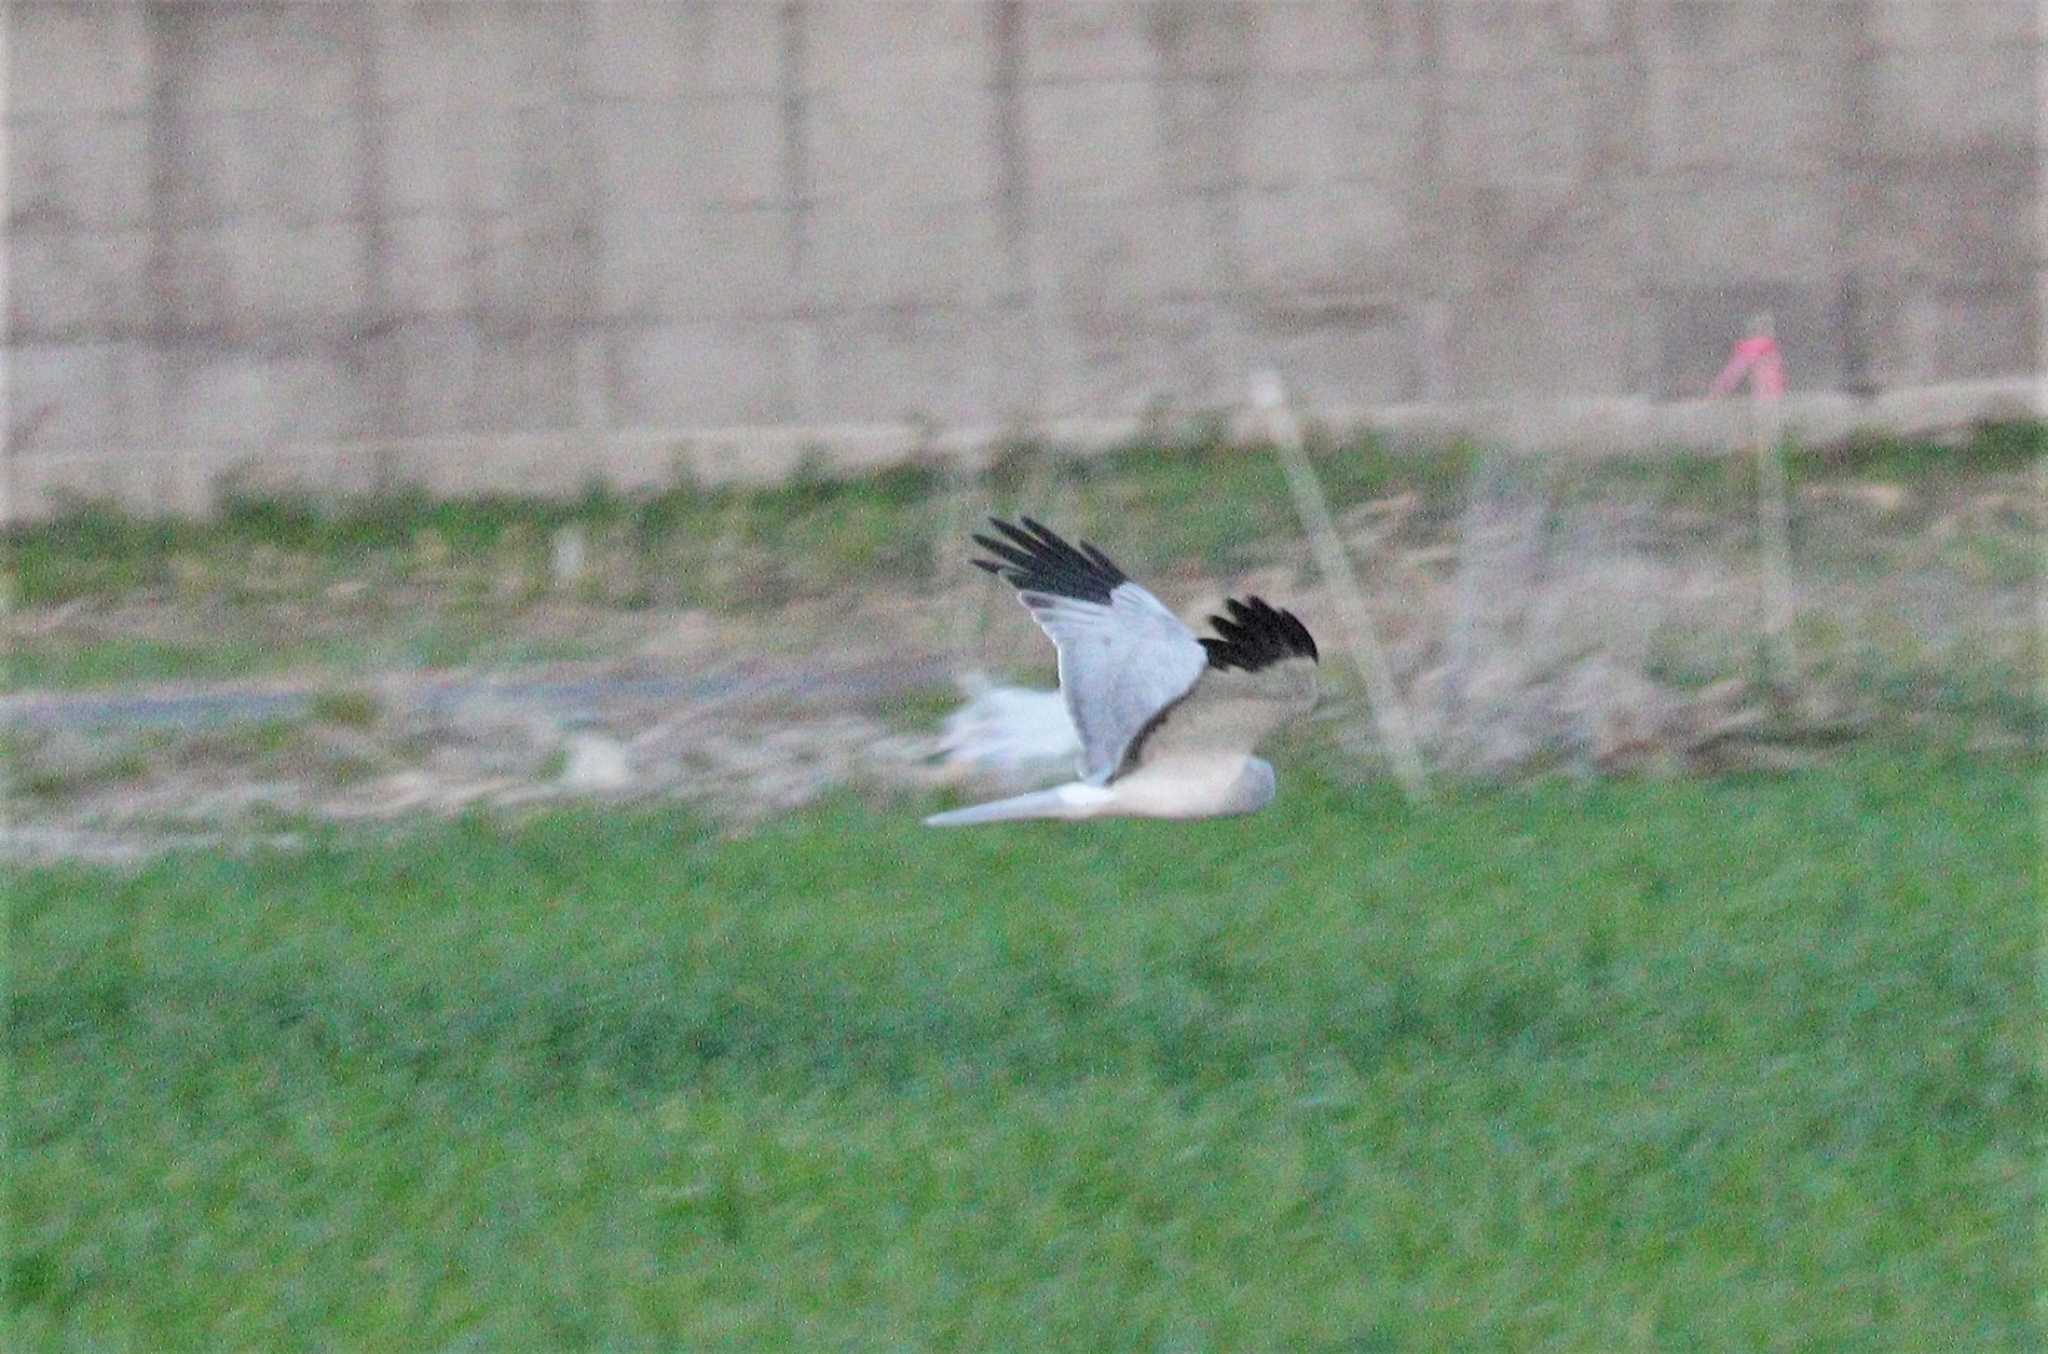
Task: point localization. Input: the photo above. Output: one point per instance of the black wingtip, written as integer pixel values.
(1256, 635)
(1034, 558)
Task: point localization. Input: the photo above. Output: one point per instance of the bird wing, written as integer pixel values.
(1123, 656)
(1261, 673)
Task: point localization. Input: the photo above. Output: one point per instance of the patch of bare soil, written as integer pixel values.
(742, 740)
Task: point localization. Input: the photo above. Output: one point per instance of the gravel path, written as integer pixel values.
(187, 706)
(113, 778)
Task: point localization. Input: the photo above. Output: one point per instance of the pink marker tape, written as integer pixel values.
(1758, 359)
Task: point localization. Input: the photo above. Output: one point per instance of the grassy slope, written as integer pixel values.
(1741, 1065)
(1212, 502)
(445, 582)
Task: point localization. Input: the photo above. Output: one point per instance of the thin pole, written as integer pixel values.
(1774, 513)
(962, 608)
(1361, 637)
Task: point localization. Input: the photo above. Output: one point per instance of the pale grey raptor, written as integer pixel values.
(1168, 721)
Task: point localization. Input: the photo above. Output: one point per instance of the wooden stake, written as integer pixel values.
(1361, 637)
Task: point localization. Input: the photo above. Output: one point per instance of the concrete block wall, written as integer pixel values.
(512, 243)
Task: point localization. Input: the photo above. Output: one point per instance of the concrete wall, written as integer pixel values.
(512, 242)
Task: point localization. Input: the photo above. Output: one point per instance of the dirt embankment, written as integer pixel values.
(1527, 634)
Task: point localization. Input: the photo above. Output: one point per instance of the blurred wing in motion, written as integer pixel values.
(1010, 729)
(1123, 657)
(1261, 674)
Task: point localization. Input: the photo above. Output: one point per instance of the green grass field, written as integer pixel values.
(1741, 1065)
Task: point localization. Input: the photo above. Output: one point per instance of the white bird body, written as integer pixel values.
(1211, 786)
(1167, 721)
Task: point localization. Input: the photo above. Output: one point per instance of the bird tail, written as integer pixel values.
(1062, 801)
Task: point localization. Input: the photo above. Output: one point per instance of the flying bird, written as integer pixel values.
(1167, 721)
